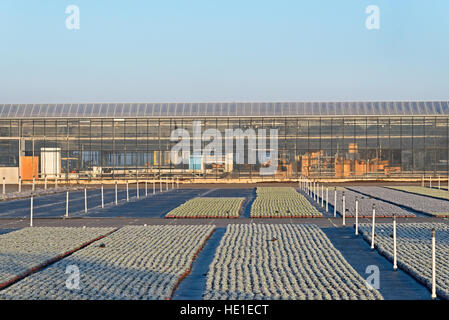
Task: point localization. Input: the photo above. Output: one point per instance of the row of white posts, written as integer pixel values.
(430, 182)
(102, 195)
(310, 187)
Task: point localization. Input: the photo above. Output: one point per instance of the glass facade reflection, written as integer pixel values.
(367, 146)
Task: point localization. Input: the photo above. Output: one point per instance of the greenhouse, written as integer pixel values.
(324, 140)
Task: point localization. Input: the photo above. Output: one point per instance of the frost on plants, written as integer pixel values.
(28, 248)
(132, 263)
(208, 208)
(383, 209)
(424, 191)
(414, 250)
(279, 202)
(288, 261)
(416, 202)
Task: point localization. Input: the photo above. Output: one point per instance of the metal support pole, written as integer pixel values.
(102, 196)
(45, 182)
(344, 208)
(356, 216)
(56, 182)
(146, 188)
(373, 226)
(166, 184)
(434, 280)
(422, 181)
(177, 183)
(4, 186)
(85, 200)
(67, 204)
(127, 191)
(31, 210)
(430, 182)
(116, 200)
(439, 182)
(327, 199)
(160, 184)
(335, 202)
(34, 184)
(322, 196)
(137, 189)
(20, 184)
(395, 259)
(154, 187)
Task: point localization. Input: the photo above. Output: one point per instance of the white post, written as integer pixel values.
(322, 196)
(373, 226)
(33, 186)
(160, 184)
(434, 286)
(146, 188)
(137, 189)
(45, 182)
(67, 204)
(177, 183)
(102, 197)
(439, 182)
(116, 200)
(166, 184)
(172, 183)
(356, 216)
(20, 184)
(31, 210)
(127, 191)
(344, 208)
(85, 199)
(335, 202)
(327, 199)
(430, 181)
(154, 187)
(4, 186)
(56, 182)
(395, 259)
(422, 181)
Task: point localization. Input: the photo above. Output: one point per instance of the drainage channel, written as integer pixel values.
(193, 286)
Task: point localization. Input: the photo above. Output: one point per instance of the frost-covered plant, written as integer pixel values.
(414, 250)
(383, 209)
(208, 208)
(416, 202)
(424, 191)
(135, 262)
(25, 249)
(270, 261)
(279, 202)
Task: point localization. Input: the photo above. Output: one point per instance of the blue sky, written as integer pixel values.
(206, 50)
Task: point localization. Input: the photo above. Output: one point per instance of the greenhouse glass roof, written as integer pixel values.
(225, 109)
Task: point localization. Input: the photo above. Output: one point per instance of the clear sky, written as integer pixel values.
(211, 50)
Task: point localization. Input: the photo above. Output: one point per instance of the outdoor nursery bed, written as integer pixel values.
(208, 208)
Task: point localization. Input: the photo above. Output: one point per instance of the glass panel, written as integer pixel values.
(202, 109)
(429, 108)
(407, 110)
(194, 109)
(180, 109)
(437, 107)
(149, 109)
(225, 109)
(232, 109)
(157, 110)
